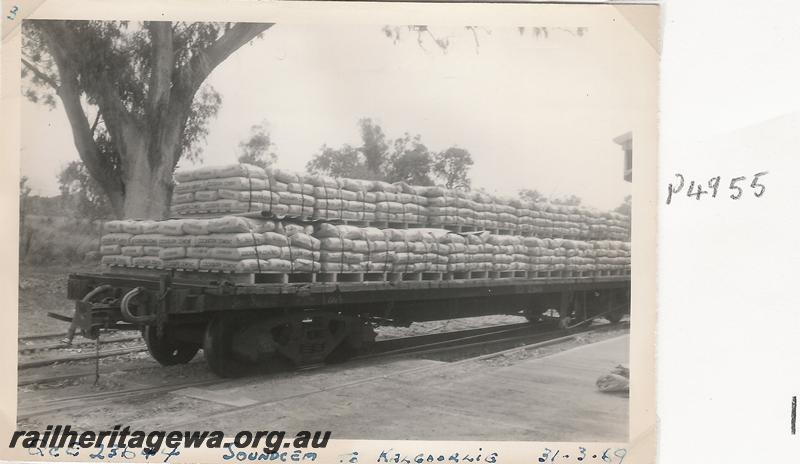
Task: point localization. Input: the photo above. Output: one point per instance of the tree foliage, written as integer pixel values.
(625, 207)
(257, 149)
(451, 167)
(568, 200)
(404, 159)
(531, 195)
(81, 193)
(140, 82)
(535, 196)
(410, 161)
(375, 148)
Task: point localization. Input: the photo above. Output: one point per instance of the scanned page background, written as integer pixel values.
(642, 427)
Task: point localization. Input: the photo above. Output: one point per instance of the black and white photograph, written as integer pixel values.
(388, 231)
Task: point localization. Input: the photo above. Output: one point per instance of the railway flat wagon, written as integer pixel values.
(245, 324)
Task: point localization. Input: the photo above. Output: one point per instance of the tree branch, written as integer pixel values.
(201, 65)
(192, 75)
(69, 92)
(161, 64)
(40, 74)
(94, 125)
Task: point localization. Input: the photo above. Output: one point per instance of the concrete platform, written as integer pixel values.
(546, 399)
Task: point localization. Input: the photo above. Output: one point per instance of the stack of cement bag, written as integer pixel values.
(341, 199)
(421, 250)
(555, 254)
(478, 254)
(610, 226)
(509, 253)
(612, 255)
(447, 207)
(353, 249)
(229, 243)
(243, 188)
(239, 188)
(399, 202)
(369, 201)
(245, 245)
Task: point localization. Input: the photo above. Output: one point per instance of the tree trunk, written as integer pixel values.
(148, 188)
(147, 198)
(147, 142)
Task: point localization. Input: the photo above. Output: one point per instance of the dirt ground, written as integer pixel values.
(423, 396)
(43, 289)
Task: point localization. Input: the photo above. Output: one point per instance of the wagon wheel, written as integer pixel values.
(568, 311)
(218, 348)
(168, 350)
(619, 305)
(614, 316)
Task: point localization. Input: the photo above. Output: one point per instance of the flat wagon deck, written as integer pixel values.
(238, 322)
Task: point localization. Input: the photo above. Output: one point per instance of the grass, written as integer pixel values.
(60, 240)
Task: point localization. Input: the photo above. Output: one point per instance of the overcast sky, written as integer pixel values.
(534, 113)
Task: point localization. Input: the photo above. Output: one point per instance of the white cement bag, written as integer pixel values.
(258, 252)
(303, 240)
(117, 238)
(205, 195)
(132, 250)
(110, 250)
(336, 244)
(197, 252)
(229, 240)
(189, 264)
(291, 253)
(116, 260)
(172, 253)
(175, 240)
(304, 265)
(340, 257)
(147, 261)
(235, 183)
(196, 227)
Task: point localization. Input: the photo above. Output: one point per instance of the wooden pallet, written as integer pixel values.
(462, 228)
(548, 274)
(334, 277)
(379, 224)
(216, 277)
(501, 274)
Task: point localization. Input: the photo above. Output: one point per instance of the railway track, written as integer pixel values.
(389, 344)
(473, 344)
(26, 347)
(32, 352)
(484, 337)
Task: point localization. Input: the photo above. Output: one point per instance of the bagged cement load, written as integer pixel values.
(110, 249)
(116, 238)
(116, 260)
(147, 261)
(236, 188)
(301, 250)
(245, 265)
(210, 172)
(188, 264)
